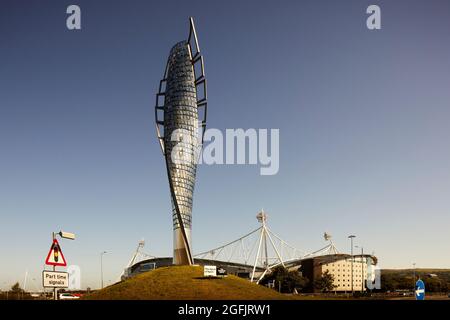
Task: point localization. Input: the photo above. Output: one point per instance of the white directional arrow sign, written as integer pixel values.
(420, 290)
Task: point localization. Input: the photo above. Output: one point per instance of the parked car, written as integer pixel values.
(68, 296)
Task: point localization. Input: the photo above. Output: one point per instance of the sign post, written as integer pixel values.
(55, 258)
(420, 290)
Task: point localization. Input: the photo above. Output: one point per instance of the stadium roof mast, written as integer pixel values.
(265, 233)
(331, 247)
(141, 244)
(138, 255)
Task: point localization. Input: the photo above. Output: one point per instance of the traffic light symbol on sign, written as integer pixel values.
(55, 252)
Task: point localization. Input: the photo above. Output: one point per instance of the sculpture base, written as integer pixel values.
(180, 256)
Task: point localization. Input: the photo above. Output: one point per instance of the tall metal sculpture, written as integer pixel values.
(182, 102)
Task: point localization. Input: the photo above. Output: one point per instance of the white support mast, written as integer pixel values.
(265, 237)
(137, 256)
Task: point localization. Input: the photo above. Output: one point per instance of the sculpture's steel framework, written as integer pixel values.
(181, 98)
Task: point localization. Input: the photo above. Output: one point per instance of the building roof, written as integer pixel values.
(329, 258)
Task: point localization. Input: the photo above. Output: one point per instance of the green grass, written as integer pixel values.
(184, 283)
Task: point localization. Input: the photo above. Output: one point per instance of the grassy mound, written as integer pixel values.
(184, 283)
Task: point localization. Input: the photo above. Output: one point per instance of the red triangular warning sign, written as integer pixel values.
(55, 256)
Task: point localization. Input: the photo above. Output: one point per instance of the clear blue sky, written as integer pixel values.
(363, 118)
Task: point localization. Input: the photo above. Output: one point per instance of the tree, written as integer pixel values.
(403, 280)
(435, 285)
(285, 280)
(16, 293)
(16, 288)
(325, 282)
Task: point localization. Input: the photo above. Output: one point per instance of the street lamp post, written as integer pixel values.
(64, 235)
(351, 241)
(101, 265)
